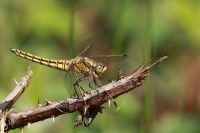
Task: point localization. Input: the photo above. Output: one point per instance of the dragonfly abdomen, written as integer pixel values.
(57, 64)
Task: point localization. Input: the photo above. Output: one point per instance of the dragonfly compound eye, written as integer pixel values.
(100, 69)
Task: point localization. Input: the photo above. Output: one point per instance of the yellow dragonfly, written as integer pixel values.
(77, 69)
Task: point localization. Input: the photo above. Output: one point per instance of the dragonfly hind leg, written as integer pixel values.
(95, 83)
(76, 84)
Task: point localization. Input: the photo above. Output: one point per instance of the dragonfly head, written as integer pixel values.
(100, 68)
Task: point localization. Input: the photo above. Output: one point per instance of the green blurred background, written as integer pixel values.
(168, 102)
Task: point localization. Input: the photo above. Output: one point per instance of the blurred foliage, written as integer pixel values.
(168, 102)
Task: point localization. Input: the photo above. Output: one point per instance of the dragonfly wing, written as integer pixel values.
(82, 83)
(85, 51)
(69, 81)
(108, 58)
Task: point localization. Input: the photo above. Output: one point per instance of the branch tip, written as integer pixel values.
(158, 61)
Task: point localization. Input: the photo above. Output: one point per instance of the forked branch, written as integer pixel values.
(88, 107)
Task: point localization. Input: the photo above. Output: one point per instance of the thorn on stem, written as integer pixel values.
(29, 125)
(47, 102)
(38, 100)
(85, 110)
(53, 117)
(109, 103)
(38, 105)
(22, 129)
(15, 81)
(29, 67)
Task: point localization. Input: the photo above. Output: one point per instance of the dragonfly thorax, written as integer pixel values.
(87, 66)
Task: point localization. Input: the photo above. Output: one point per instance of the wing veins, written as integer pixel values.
(108, 58)
(85, 51)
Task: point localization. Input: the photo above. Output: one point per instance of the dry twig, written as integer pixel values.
(9, 101)
(88, 107)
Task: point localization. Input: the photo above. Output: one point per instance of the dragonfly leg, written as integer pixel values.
(76, 93)
(77, 84)
(90, 84)
(105, 79)
(111, 98)
(93, 79)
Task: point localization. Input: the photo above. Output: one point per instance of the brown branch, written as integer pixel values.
(88, 107)
(9, 101)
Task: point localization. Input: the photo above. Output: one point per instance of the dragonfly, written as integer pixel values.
(79, 69)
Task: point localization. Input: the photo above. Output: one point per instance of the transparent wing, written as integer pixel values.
(85, 51)
(69, 81)
(71, 77)
(108, 58)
